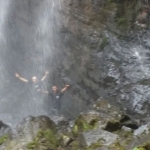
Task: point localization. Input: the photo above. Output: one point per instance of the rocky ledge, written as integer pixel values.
(99, 129)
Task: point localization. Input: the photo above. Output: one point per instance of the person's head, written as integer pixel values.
(34, 79)
(54, 88)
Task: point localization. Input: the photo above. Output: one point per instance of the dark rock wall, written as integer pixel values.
(103, 54)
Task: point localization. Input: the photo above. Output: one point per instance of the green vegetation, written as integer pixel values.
(123, 13)
(45, 138)
(3, 139)
(139, 148)
(126, 15)
(145, 146)
(82, 125)
(116, 146)
(108, 8)
(75, 145)
(94, 146)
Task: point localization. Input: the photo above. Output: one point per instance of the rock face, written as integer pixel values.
(105, 52)
(41, 133)
(90, 131)
(32, 133)
(104, 137)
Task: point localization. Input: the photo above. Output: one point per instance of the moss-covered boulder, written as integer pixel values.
(141, 142)
(85, 122)
(33, 133)
(44, 139)
(145, 146)
(106, 116)
(3, 139)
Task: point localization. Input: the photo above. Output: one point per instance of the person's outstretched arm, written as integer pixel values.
(42, 91)
(21, 78)
(65, 88)
(46, 92)
(44, 77)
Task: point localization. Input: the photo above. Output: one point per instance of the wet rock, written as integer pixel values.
(140, 138)
(100, 136)
(60, 121)
(4, 129)
(66, 140)
(140, 144)
(88, 132)
(106, 53)
(86, 121)
(126, 129)
(106, 117)
(147, 43)
(145, 146)
(70, 125)
(34, 133)
(5, 133)
(141, 130)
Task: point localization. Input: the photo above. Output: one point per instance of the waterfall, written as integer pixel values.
(28, 35)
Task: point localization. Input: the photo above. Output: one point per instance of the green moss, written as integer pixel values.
(126, 14)
(45, 138)
(82, 125)
(145, 146)
(94, 146)
(121, 14)
(122, 21)
(138, 148)
(3, 139)
(109, 7)
(75, 145)
(117, 146)
(31, 145)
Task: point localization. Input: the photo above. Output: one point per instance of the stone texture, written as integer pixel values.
(30, 133)
(106, 54)
(103, 137)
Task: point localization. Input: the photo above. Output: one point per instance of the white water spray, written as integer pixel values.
(27, 35)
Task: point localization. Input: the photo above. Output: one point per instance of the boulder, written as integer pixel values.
(86, 121)
(38, 133)
(100, 136)
(5, 132)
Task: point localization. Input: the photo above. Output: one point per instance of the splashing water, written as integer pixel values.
(140, 60)
(28, 36)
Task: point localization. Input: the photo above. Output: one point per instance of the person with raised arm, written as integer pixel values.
(56, 95)
(34, 80)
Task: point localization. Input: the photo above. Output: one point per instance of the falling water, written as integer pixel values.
(28, 41)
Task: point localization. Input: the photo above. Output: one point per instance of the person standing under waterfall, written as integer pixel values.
(34, 80)
(56, 96)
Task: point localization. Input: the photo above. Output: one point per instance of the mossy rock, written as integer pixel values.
(116, 146)
(139, 148)
(126, 15)
(83, 124)
(3, 139)
(94, 146)
(98, 144)
(75, 145)
(47, 139)
(145, 146)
